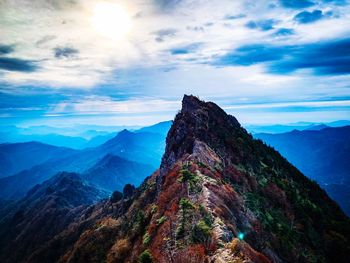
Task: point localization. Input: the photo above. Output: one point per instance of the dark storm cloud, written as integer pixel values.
(6, 49)
(324, 58)
(16, 64)
(65, 52)
(263, 25)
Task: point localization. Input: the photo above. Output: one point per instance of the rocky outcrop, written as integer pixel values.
(198, 121)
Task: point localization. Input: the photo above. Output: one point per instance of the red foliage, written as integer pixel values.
(253, 255)
(233, 174)
(163, 236)
(171, 192)
(241, 178)
(192, 254)
(276, 194)
(226, 200)
(243, 249)
(158, 247)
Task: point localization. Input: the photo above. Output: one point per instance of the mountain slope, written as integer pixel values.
(219, 196)
(321, 155)
(160, 128)
(317, 127)
(284, 128)
(325, 152)
(15, 157)
(46, 211)
(113, 173)
(143, 148)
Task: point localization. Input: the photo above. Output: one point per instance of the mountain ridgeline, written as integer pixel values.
(218, 196)
(135, 156)
(322, 155)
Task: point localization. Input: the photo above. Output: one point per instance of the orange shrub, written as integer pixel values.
(119, 251)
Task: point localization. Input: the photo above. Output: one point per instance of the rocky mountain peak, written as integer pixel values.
(191, 103)
(199, 121)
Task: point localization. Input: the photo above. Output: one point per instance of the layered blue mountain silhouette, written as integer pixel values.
(127, 158)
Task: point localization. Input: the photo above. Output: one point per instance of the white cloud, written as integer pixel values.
(105, 105)
(140, 66)
(306, 104)
(37, 27)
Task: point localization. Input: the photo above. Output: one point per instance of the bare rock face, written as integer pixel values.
(201, 121)
(204, 154)
(128, 191)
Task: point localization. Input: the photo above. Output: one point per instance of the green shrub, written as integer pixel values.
(146, 257)
(192, 179)
(154, 209)
(146, 239)
(140, 217)
(202, 165)
(207, 217)
(186, 176)
(186, 204)
(180, 231)
(201, 232)
(139, 222)
(161, 220)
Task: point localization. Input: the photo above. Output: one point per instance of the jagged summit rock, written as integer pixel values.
(199, 121)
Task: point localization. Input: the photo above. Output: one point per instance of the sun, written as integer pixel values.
(111, 20)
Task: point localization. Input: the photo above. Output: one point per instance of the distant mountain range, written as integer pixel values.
(143, 147)
(136, 154)
(85, 136)
(159, 128)
(322, 155)
(21, 156)
(30, 163)
(113, 173)
(77, 137)
(279, 128)
(219, 196)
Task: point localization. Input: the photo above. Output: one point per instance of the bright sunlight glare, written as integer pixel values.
(111, 20)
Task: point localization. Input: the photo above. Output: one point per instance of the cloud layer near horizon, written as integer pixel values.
(234, 52)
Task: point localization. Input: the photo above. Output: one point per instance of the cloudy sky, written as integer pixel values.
(64, 62)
